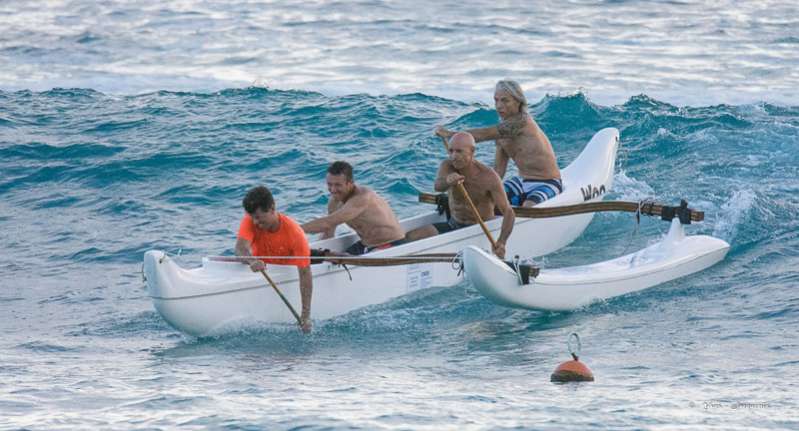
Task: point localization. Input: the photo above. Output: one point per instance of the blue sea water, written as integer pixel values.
(131, 126)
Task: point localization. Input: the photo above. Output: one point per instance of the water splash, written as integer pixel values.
(627, 188)
(733, 214)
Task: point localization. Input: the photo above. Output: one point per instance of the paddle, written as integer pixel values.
(476, 214)
(285, 301)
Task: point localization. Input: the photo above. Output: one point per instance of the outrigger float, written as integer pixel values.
(225, 296)
(564, 289)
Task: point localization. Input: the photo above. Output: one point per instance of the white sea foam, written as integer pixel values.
(631, 189)
(733, 213)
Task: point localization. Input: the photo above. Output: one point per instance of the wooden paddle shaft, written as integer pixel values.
(285, 301)
(476, 213)
(477, 216)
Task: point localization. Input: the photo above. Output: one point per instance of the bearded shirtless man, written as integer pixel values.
(518, 137)
(368, 214)
(481, 183)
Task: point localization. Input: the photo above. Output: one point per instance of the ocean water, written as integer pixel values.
(131, 126)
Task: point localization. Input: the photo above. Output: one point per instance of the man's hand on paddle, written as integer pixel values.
(455, 178)
(257, 265)
(499, 249)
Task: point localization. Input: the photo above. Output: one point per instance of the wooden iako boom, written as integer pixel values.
(665, 212)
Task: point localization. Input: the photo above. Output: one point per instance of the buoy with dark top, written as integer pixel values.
(574, 370)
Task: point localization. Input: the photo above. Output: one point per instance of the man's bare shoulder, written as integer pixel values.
(483, 168)
(363, 195)
(366, 192)
(446, 166)
(486, 172)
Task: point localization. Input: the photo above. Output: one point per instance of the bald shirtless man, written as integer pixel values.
(482, 184)
(518, 137)
(360, 208)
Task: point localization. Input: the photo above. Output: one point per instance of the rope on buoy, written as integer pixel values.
(574, 370)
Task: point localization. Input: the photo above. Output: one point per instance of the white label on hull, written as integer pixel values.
(420, 276)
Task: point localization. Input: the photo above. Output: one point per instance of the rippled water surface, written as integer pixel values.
(684, 52)
(152, 134)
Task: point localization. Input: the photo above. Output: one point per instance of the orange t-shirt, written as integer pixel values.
(289, 240)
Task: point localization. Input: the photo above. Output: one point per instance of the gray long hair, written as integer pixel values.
(515, 90)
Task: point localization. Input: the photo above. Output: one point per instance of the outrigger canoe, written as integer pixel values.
(221, 296)
(564, 289)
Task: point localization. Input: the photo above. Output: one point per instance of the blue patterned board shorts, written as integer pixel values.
(520, 190)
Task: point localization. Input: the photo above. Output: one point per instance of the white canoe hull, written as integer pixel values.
(566, 289)
(223, 296)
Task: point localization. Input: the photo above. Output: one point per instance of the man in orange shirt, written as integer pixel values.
(265, 232)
